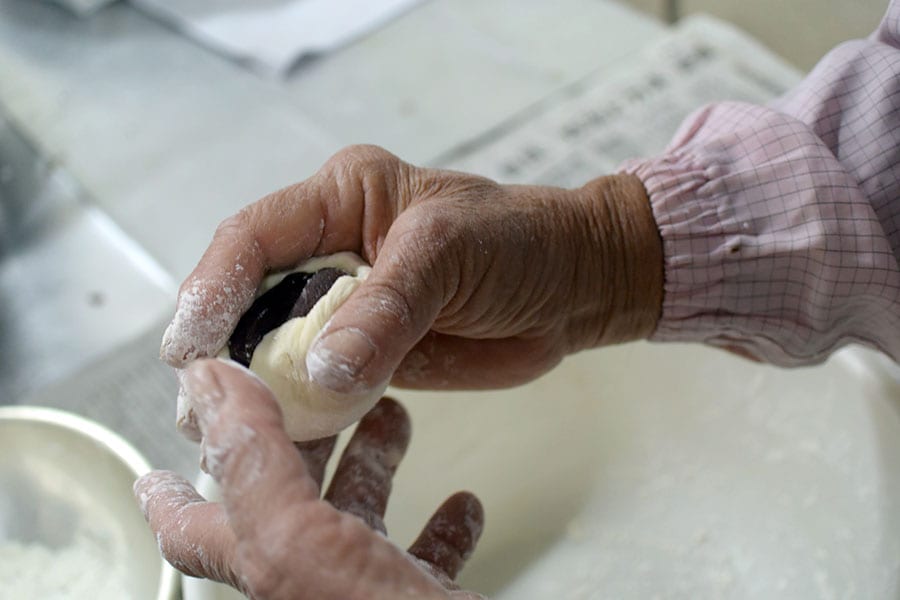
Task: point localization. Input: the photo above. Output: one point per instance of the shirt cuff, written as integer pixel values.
(770, 247)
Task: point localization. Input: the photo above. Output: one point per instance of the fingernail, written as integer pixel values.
(202, 392)
(337, 360)
(166, 344)
(186, 417)
(203, 462)
(170, 350)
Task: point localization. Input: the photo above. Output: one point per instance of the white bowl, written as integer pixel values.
(69, 524)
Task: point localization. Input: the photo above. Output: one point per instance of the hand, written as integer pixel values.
(272, 537)
(474, 284)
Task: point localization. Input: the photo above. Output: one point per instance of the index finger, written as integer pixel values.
(354, 195)
(224, 283)
(246, 449)
(193, 534)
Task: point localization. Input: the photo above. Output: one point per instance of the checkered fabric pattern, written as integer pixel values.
(781, 223)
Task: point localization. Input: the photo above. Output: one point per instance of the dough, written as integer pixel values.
(310, 411)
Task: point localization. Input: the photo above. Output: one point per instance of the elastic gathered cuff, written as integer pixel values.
(770, 247)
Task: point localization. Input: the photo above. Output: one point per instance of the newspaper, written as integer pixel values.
(589, 128)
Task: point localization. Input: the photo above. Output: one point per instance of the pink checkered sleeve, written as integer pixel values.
(781, 224)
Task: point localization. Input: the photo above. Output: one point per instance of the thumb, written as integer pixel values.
(364, 342)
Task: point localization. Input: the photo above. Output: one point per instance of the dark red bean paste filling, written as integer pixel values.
(294, 296)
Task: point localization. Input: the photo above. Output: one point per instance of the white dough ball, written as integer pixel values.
(310, 411)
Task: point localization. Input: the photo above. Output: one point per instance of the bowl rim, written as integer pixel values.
(111, 441)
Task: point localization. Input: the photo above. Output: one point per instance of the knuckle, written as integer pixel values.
(432, 184)
(435, 239)
(362, 159)
(391, 301)
(174, 551)
(543, 357)
(241, 228)
(366, 176)
(265, 569)
(236, 225)
(426, 228)
(427, 252)
(245, 224)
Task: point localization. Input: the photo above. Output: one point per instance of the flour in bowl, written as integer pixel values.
(89, 567)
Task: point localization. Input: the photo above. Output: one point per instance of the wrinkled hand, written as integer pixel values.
(273, 538)
(474, 284)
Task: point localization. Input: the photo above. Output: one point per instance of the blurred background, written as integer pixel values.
(801, 31)
(130, 129)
